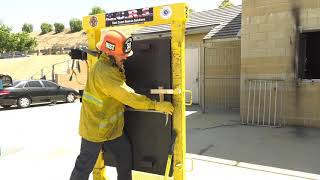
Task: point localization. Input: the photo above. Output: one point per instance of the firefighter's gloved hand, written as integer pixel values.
(165, 107)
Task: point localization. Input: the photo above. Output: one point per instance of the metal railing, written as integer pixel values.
(49, 72)
(265, 103)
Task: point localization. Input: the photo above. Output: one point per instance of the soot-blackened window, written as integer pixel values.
(309, 61)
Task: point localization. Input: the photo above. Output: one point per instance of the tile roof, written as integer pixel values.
(229, 27)
(224, 22)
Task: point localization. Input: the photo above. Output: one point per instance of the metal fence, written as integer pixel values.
(48, 73)
(265, 103)
(222, 94)
(221, 70)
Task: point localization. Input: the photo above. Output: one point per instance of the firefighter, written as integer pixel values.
(104, 100)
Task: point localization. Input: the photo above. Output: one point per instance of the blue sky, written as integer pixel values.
(16, 12)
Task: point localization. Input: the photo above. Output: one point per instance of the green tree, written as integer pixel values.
(10, 42)
(96, 10)
(3, 27)
(45, 28)
(5, 37)
(24, 42)
(226, 4)
(58, 27)
(75, 25)
(28, 28)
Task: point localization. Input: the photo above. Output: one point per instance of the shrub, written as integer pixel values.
(45, 28)
(75, 25)
(97, 10)
(58, 27)
(28, 28)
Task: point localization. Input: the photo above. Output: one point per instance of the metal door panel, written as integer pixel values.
(148, 68)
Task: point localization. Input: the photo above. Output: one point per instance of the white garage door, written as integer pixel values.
(192, 73)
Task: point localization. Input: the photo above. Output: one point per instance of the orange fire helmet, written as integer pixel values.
(115, 43)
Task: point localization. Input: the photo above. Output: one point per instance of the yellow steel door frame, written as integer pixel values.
(175, 15)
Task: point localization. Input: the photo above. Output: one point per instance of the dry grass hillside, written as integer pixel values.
(24, 68)
(65, 39)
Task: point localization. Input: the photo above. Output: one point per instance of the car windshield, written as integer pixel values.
(15, 83)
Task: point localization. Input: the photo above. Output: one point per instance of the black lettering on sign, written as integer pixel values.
(129, 17)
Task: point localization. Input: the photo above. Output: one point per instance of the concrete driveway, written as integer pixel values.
(42, 142)
(222, 136)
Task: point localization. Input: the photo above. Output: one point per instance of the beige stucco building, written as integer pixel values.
(276, 40)
(259, 60)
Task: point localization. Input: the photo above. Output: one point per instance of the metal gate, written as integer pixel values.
(264, 103)
(222, 76)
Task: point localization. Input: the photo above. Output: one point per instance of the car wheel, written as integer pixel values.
(70, 97)
(6, 106)
(24, 102)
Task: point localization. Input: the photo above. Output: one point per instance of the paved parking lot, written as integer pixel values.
(42, 142)
(222, 136)
(42, 138)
